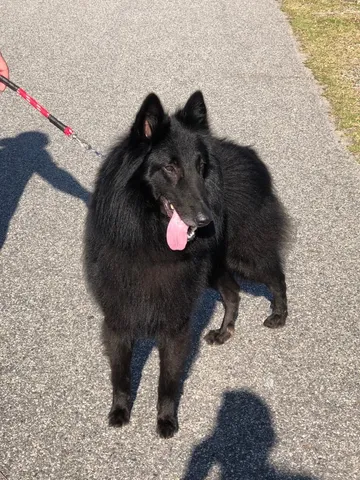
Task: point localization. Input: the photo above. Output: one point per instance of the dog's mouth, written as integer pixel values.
(178, 232)
(168, 206)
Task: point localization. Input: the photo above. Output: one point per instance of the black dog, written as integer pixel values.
(174, 211)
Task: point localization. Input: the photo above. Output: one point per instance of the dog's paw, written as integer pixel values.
(275, 320)
(118, 417)
(167, 426)
(217, 337)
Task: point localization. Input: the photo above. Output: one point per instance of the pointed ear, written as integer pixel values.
(149, 120)
(194, 114)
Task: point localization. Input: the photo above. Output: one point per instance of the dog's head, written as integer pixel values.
(177, 164)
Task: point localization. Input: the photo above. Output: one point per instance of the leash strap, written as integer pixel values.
(68, 131)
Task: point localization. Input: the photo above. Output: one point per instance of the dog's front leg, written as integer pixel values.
(119, 349)
(173, 353)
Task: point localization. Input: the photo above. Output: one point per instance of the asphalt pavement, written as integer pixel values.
(268, 405)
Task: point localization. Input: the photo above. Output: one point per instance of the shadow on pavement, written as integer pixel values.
(255, 289)
(200, 321)
(20, 158)
(240, 443)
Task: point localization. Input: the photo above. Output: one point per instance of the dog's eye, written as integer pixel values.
(169, 168)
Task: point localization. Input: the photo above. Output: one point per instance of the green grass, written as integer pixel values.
(329, 32)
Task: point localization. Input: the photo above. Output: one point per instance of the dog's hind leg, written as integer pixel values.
(173, 352)
(271, 274)
(119, 351)
(277, 286)
(229, 291)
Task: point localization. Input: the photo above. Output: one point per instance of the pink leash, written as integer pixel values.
(68, 131)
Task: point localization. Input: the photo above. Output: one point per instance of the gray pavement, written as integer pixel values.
(268, 405)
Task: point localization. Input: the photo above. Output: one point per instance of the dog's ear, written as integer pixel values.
(194, 114)
(149, 120)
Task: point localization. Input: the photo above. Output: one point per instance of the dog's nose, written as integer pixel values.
(202, 219)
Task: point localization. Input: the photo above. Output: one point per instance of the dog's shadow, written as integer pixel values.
(200, 321)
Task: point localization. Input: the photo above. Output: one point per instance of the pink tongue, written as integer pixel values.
(176, 234)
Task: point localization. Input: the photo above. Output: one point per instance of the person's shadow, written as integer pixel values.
(240, 443)
(20, 158)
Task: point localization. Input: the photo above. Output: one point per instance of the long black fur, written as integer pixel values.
(143, 287)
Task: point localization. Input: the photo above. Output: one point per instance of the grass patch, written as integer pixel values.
(329, 32)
